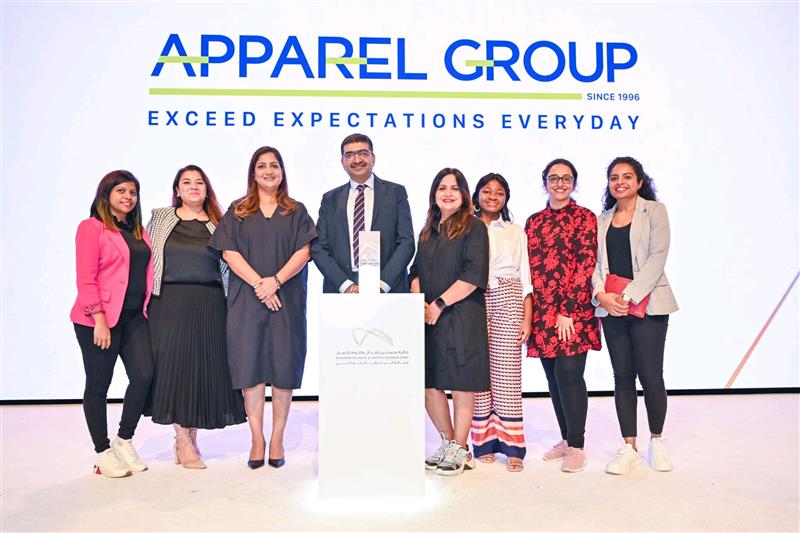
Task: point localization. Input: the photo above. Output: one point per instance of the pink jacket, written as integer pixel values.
(103, 265)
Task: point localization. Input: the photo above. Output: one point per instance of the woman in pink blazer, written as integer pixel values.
(115, 279)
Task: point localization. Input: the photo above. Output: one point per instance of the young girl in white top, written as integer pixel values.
(497, 418)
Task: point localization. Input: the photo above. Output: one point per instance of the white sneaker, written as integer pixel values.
(626, 460)
(657, 456)
(109, 465)
(433, 461)
(456, 460)
(127, 454)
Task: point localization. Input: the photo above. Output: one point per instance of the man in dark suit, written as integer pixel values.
(366, 202)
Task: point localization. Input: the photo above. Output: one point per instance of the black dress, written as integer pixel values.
(457, 346)
(266, 346)
(192, 385)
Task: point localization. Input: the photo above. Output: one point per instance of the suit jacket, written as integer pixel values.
(162, 222)
(391, 216)
(102, 266)
(649, 237)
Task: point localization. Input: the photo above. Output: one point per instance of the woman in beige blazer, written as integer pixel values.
(633, 242)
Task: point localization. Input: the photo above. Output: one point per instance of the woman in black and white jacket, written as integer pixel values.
(192, 387)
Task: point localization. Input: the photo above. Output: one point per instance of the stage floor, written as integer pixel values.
(736, 469)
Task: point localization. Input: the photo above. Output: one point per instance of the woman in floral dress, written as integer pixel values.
(562, 247)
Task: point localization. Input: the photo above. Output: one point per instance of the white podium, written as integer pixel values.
(371, 395)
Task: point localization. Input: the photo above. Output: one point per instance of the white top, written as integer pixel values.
(508, 255)
(369, 195)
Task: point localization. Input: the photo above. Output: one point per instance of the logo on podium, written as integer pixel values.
(361, 334)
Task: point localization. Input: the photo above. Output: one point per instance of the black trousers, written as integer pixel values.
(130, 340)
(568, 394)
(636, 346)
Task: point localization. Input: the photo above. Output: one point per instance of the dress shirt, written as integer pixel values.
(508, 251)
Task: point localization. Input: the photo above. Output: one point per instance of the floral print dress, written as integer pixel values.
(562, 249)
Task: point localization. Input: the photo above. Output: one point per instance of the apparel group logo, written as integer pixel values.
(385, 58)
(320, 62)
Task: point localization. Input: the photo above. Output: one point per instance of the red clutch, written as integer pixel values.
(617, 284)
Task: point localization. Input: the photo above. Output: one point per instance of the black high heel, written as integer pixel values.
(253, 464)
(275, 463)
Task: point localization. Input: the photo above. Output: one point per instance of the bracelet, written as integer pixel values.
(275, 277)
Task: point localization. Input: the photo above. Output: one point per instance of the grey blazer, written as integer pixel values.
(161, 224)
(649, 247)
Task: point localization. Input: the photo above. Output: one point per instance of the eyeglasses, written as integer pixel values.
(362, 154)
(553, 179)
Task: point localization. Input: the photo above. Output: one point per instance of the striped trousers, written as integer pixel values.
(497, 417)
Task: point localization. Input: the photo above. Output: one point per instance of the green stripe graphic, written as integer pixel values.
(312, 93)
(346, 60)
(479, 63)
(182, 59)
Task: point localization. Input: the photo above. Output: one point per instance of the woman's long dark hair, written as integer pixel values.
(210, 204)
(101, 208)
(504, 213)
(646, 191)
(457, 223)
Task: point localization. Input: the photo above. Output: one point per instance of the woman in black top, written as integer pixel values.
(114, 278)
(452, 269)
(192, 387)
(633, 243)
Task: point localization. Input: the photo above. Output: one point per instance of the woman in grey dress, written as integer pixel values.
(265, 238)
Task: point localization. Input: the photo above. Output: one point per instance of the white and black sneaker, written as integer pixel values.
(456, 460)
(433, 461)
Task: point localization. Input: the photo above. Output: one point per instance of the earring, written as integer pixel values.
(476, 208)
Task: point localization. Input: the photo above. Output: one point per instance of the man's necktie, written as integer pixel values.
(358, 220)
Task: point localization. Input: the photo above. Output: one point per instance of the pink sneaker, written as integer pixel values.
(556, 452)
(574, 460)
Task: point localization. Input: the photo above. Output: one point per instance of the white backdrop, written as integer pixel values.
(716, 126)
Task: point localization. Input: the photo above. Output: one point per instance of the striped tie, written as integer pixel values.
(358, 221)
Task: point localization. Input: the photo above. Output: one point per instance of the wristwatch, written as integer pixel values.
(440, 304)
